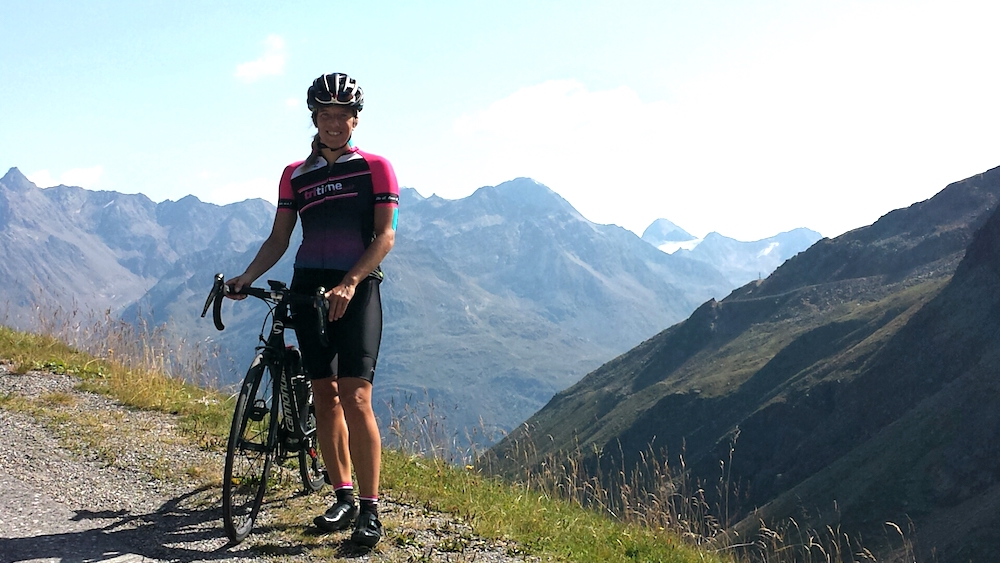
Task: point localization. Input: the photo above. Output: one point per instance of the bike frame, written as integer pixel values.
(289, 387)
(284, 409)
(274, 353)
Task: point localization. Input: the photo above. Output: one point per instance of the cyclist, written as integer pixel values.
(348, 202)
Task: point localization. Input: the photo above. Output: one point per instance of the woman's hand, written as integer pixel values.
(339, 297)
(238, 283)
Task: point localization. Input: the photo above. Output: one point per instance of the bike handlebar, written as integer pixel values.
(278, 293)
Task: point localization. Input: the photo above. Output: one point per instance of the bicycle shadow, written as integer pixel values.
(184, 529)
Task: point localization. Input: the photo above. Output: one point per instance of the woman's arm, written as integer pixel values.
(270, 251)
(385, 238)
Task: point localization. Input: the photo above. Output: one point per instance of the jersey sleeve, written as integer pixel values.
(286, 197)
(384, 185)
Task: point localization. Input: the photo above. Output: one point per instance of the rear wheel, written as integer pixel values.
(249, 452)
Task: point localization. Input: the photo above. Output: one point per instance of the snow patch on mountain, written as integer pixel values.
(767, 251)
(673, 246)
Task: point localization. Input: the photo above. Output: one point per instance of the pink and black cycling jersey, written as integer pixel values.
(336, 203)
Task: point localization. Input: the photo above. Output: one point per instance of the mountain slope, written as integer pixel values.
(44, 249)
(523, 239)
(535, 296)
(935, 383)
(824, 371)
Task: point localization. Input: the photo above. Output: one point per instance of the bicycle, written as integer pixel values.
(274, 417)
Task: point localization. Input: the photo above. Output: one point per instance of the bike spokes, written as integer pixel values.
(249, 453)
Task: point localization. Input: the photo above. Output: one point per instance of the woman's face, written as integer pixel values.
(335, 125)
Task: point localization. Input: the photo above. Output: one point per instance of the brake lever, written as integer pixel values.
(216, 286)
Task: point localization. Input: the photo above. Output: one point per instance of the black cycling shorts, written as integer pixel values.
(353, 339)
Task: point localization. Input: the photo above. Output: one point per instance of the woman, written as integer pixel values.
(348, 202)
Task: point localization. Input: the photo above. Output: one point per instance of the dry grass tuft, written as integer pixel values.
(654, 495)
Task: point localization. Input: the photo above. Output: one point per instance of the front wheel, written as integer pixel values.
(310, 463)
(249, 451)
(311, 469)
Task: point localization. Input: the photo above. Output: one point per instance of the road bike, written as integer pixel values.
(274, 418)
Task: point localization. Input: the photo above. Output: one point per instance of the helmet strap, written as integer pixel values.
(322, 146)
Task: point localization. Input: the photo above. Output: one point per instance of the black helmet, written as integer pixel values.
(335, 90)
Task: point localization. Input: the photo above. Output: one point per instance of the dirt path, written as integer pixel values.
(62, 502)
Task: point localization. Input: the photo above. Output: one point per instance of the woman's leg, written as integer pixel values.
(362, 428)
(331, 430)
(331, 433)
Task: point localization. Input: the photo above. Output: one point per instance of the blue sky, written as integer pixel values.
(745, 118)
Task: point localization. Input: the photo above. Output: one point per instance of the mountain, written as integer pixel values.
(534, 297)
(492, 303)
(84, 250)
(857, 382)
(743, 262)
(663, 231)
(739, 261)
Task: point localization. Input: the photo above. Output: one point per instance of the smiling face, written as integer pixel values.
(335, 124)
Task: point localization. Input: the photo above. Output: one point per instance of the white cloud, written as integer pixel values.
(81, 177)
(271, 63)
(558, 109)
(606, 151)
(240, 191)
(812, 130)
(293, 102)
(42, 179)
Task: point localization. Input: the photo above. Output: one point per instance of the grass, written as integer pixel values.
(512, 514)
(203, 414)
(541, 522)
(656, 496)
(561, 513)
(521, 520)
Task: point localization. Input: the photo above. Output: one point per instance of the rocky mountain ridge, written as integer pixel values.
(96, 250)
(741, 262)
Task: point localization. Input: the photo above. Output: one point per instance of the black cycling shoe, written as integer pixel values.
(337, 517)
(367, 530)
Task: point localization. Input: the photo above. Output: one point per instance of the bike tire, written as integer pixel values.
(311, 468)
(249, 452)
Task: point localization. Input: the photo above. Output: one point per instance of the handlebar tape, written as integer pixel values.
(323, 312)
(217, 310)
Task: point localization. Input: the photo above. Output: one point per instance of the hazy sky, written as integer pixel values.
(742, 117)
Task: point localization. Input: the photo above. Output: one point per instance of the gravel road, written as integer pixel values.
(60, 505)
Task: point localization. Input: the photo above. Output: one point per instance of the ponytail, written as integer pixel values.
(315, 154)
